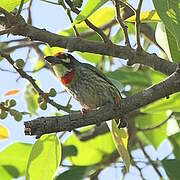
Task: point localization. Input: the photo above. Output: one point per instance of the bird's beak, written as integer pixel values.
(52, 60)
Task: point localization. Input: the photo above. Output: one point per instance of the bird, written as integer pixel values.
(87, 84)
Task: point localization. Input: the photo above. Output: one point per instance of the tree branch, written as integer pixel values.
(78, 44)
(121, 23)
(137, 26)
(34, 84)
(72, 121)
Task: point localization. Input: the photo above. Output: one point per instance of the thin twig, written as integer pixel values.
(121, 23)
(149, 159)
(29, 18)
(137, 26)
(26, 44)
(88, 23)
(157, 126)
(127, 4)
(16, 40)
(74, 27)
(79, 44)
(50, 2)
(34, 84)
(134, 163)
(20, 8)
(7, 31)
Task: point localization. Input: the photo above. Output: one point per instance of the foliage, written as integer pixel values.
(153, 126)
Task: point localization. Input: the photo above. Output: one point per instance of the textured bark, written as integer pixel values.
(72, 121)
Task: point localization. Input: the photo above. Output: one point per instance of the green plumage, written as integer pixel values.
(89, 86)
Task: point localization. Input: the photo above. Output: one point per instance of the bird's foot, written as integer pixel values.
(84, 111)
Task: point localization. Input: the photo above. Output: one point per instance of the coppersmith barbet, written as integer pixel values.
(87, 84)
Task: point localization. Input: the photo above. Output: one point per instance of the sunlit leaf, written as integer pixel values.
(120, 138)
(31, 97)
(118, 36)
(4, 174)
(93, 58)
(14, 158)
(9, 5)
(147, 16)
(44, 158)
(172, 103)
(145, 121)
(3, 132)
(168, 43)
(91, 151)
(169, 12)
(11, 92)
(90, 7)
(175, 142)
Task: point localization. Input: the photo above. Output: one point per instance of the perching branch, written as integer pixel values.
(72, 121)
(69, 122)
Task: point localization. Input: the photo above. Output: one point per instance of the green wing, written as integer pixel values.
(98, 72)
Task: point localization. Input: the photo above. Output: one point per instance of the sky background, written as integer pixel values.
(53, 18)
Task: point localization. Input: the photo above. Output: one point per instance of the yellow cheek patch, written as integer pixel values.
(67, 60)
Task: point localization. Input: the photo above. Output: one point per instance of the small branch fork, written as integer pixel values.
(77, 44)
(74, 120)
(120, 21)
(137, 25)
(89, 24)
(33, 82)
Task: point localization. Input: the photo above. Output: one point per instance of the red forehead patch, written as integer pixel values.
(58, 54)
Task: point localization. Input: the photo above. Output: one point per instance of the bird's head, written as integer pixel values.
(62, 63)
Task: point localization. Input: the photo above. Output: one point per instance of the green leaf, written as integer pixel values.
(118, 36)
(3, 132)
(90, 57)
(15, 156)
(4, 174)
(90, 7)
(77, 172)
(31, 97)
(171, 167)
(97, 148)
(127, 76)
(145, 17)
(9, 5)
(77, 3)
(175, 142)
(172, 103)
(169, 12)
(70, 32)
(44, 158)
(120, 138)
(168, 42)
(69, 150)
(145, 121)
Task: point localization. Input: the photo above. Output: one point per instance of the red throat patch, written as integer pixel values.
(68, 77)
